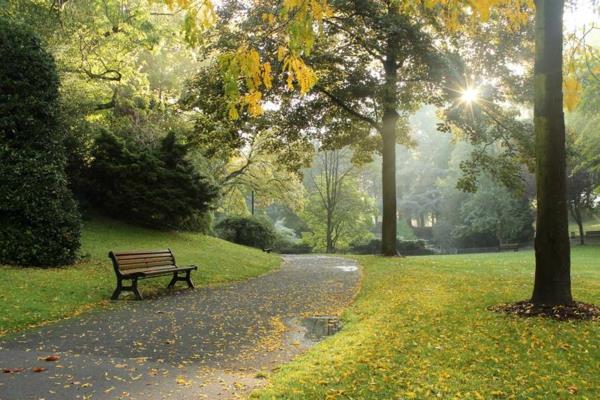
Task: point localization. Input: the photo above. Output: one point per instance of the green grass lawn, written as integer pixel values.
(420, 329)
(30, 296)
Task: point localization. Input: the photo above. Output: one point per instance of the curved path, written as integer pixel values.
(207, 343)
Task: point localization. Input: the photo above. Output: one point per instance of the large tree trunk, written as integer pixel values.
(388, 225)
(388, 133)
(552, 246)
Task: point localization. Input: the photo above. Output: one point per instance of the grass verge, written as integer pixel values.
(420, 329)
(30, 296)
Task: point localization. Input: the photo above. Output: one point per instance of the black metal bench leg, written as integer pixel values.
(117, 292)
(134, 289)
(188, 279)
(174, 279)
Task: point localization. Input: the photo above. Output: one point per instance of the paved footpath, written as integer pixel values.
(214, 343)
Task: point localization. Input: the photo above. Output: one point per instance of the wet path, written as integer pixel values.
(207, 343)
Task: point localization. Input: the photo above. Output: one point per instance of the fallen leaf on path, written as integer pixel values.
(12, 370)
(183, 381)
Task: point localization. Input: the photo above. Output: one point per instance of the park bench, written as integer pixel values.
(508, 247)
(134, 265)
(592, 234)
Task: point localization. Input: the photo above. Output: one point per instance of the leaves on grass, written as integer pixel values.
(420, 329)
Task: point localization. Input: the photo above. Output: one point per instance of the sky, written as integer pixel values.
(583, 14)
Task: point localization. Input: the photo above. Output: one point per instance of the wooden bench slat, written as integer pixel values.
(132, 259)
(158, 271)
(145, 260)
(136, 270)
(125, 256)
(146, 266)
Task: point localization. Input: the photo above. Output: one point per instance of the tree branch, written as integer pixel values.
(347, 108)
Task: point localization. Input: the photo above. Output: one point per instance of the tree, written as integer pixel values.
(337, 212)
(255, 172)
(249, 154)
(581, 196)
(375, 65)
(552, 285)
(39, 222)
(494, 209)
(158, 188)
(421, 167)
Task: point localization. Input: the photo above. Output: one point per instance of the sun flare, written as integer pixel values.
(470, 95)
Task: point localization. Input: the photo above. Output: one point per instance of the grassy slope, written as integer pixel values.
(420, 329)
(32, 295)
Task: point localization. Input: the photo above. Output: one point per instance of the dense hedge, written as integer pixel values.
(292, 248)
(248, 231)
(404, 247)
(39, 222)
(157, 188)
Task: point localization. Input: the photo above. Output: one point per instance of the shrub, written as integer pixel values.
(157, 188)
(39, 221)
(248, 231)
(292, 248)
(404, 247)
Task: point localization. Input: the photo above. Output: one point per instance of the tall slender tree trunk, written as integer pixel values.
(581, 233)
(579, 220)
(388, 133)
(329, 234)
(552, 246)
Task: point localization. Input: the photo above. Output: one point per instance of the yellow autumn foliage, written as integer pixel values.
(572, 92)
(298, 71)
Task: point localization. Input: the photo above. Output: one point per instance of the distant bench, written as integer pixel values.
(508, 247)
(134, 265)
(592, 234)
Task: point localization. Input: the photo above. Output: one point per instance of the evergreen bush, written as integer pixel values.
(248, 231)
(404, 247)
(158, 188)
(39, 221)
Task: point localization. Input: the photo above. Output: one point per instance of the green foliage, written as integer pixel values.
(31, 296)
(404, 247)
(338, 211)
(287, 242)
(39, 222)
(419, 329)
(491, 215)
(248, 231)
(152, 187)
(493, 209)
(351, 216)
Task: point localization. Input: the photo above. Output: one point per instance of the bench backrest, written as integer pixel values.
(141, 260)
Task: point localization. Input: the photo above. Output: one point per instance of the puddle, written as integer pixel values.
(347, 268)
(322, 326)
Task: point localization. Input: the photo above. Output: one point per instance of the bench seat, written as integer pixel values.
(147, 272)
